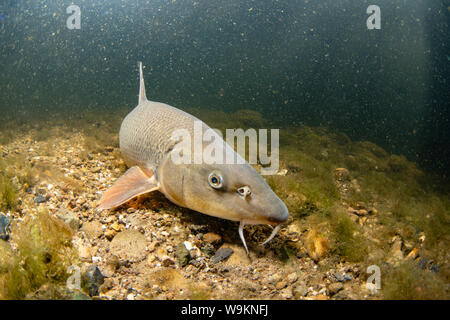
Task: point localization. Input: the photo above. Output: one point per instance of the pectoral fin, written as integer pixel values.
(132, 184)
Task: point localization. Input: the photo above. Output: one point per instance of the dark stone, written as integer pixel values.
(222, 254)
(40, 199)
(199, 262)
(434, 268)
(422, 264)
(208, 249)
(92, 280)
(4, 227)
(199, 228)
(348, 277)
(339, 277)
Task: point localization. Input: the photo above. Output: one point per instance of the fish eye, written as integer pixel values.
(215, 180)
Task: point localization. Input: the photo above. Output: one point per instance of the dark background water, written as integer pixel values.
(311, 62)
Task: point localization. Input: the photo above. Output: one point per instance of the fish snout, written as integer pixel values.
(280, 216)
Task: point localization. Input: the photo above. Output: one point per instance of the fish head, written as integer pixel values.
(230, 191)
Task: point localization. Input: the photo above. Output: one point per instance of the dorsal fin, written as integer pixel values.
(142, 96)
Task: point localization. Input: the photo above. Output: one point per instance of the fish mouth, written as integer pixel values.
(272, 221)
(278, 218)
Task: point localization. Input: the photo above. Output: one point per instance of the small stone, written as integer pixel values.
(4, 227)
(96, 170)
(371, 287)
(167, 261)
(84, 253)
(434, 268)
(339, 277)
(342, 174)
(413, 254)
(396, 254)
(93, 229)
(286, 293)
(299, 291)
(195, 228)
(129, 245)
(281, 285)
(422, 263)
(182, 254)
(208, 249)
(335, 288)
(274, 279)
(291, 278)
(212, 238)
(69, 217)
(109, 234)
(222, 254)
(107, 285)
(116, 227)
(40, 199)
(361, 212)
(92, 280)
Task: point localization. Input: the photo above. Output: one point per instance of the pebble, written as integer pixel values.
(93, 229)
(342, 174)
(281, 285)
(4, 227)
(84, 253)
(222, 254)
(167, 261)
(182, 254)
(69, 217)
(335, 288)
(40, 199)
(129, 245)
(286, 293)
(291, 278)
(371, 287)
(92, 280)
(343, 277)
(299, 291)
(413, 254)
(212, 238)
(274, 279)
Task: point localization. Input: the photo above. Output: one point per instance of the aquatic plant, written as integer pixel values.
(408, 282)
(8, 194)
(348, 242)
(43, 254)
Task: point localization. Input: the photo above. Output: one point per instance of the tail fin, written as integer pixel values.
(142, 96)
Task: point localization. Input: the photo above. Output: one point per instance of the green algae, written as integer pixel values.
(40, 261)
(408, 282)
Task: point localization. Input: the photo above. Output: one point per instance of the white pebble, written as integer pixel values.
(188, 245)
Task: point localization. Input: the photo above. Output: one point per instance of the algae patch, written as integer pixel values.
(38, 264)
